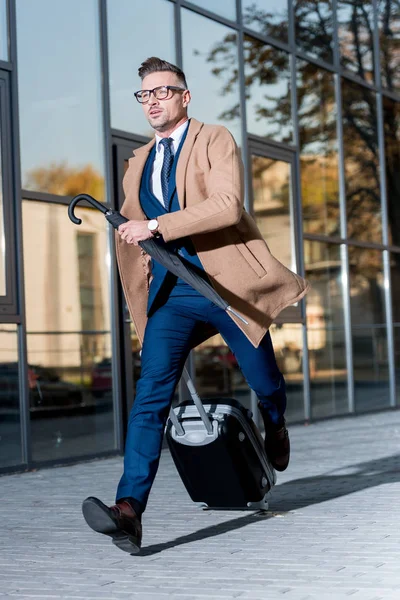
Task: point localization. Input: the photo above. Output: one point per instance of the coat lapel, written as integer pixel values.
(194, 129)
(136, 167)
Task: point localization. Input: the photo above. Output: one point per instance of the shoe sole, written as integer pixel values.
(96, 515)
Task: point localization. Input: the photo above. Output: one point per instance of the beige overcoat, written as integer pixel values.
(209, 183)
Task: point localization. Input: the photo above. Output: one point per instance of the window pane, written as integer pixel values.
(10, 432)
(314, 27)
(391, 115)
(217, 371)
(129, 24)
(287, 340)
(389, 37)
(356, 37)
(210, 62)
(396, 332)
(395, 280)
(272, 185)
(267, 84)
(68, 323)
(366, 286)
(267, 17)
(319, 150)
(361, 154)
(3, 30)
(325, 329)
(60, 97)
(370, 365)
(226, 9)
(369, 335)
(2, 223)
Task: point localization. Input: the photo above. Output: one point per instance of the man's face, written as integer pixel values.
(165, 114)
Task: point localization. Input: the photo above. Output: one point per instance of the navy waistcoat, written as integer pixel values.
(164, 282)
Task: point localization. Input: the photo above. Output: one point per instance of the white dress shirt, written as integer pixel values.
(159, 159)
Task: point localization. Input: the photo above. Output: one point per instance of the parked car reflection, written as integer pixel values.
(101, 375)
(47, 390)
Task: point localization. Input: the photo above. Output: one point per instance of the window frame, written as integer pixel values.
(8, 302)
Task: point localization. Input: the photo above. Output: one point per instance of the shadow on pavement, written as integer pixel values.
(299, 493)
(205, 533)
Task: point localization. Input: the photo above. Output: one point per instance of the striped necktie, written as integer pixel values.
(166, 168)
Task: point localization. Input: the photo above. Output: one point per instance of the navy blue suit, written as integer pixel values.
(174, 311)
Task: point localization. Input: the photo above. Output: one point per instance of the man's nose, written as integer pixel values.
(153, 100)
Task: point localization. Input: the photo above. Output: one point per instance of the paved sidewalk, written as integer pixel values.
(332, 531)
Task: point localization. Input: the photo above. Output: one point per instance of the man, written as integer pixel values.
(185, 188)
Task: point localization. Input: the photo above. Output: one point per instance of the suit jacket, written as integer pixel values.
(209, 183)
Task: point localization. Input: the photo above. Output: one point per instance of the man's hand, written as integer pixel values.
(134, 232)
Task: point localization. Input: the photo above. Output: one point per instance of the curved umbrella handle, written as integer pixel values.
(91, 201)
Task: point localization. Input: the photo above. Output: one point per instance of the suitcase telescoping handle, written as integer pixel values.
(199, 405)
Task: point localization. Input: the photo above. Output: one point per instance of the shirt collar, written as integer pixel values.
(176, 135)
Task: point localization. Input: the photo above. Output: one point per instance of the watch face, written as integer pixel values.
(153, 225)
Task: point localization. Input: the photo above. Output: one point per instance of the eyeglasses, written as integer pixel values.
(160, 93)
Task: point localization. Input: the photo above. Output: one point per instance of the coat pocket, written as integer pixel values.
(250, 257)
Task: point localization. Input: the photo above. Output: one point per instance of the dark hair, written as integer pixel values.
(154, 64)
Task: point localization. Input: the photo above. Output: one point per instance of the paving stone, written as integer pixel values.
(331, 532)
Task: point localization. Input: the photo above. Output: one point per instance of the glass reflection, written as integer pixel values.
(60, 102)
(395, 282)
(314, 27)
(267, 17)
(267, 87)
(218, 373)
(272, 202)
(3, 30)
(210, 62)
(396, 333)
(361, 155)
(226, 9)
(391, 116)
(366, 286)
(129, 24)
(10, 433)
(68, 323)
(370, 367)
(389, 39)
(369, 334)
(325, 329)
(2, 226)
(287, 339)
(356, 37)
(319, 149)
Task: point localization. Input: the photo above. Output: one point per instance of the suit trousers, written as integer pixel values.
(166, 346)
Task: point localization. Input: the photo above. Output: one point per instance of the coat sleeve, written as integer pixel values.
(224, 205)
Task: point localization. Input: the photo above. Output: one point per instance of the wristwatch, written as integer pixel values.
(152, 226)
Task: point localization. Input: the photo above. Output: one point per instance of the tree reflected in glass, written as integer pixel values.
(361, 156)
(391, 116)
(389, 39)
(356, 37)
(267, 17)
(313, 21)
(317, 116)
(267, 85)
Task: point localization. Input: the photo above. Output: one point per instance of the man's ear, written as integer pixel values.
(186, 98)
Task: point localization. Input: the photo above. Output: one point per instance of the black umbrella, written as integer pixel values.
(169, 260)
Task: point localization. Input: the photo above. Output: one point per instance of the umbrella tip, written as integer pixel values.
(233, 311)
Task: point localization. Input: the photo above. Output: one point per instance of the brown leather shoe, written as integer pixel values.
(120, 522)
(277, 447)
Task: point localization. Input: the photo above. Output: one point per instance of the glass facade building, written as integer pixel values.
(311, 92)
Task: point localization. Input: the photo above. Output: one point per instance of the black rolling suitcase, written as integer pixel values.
(219, 453)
